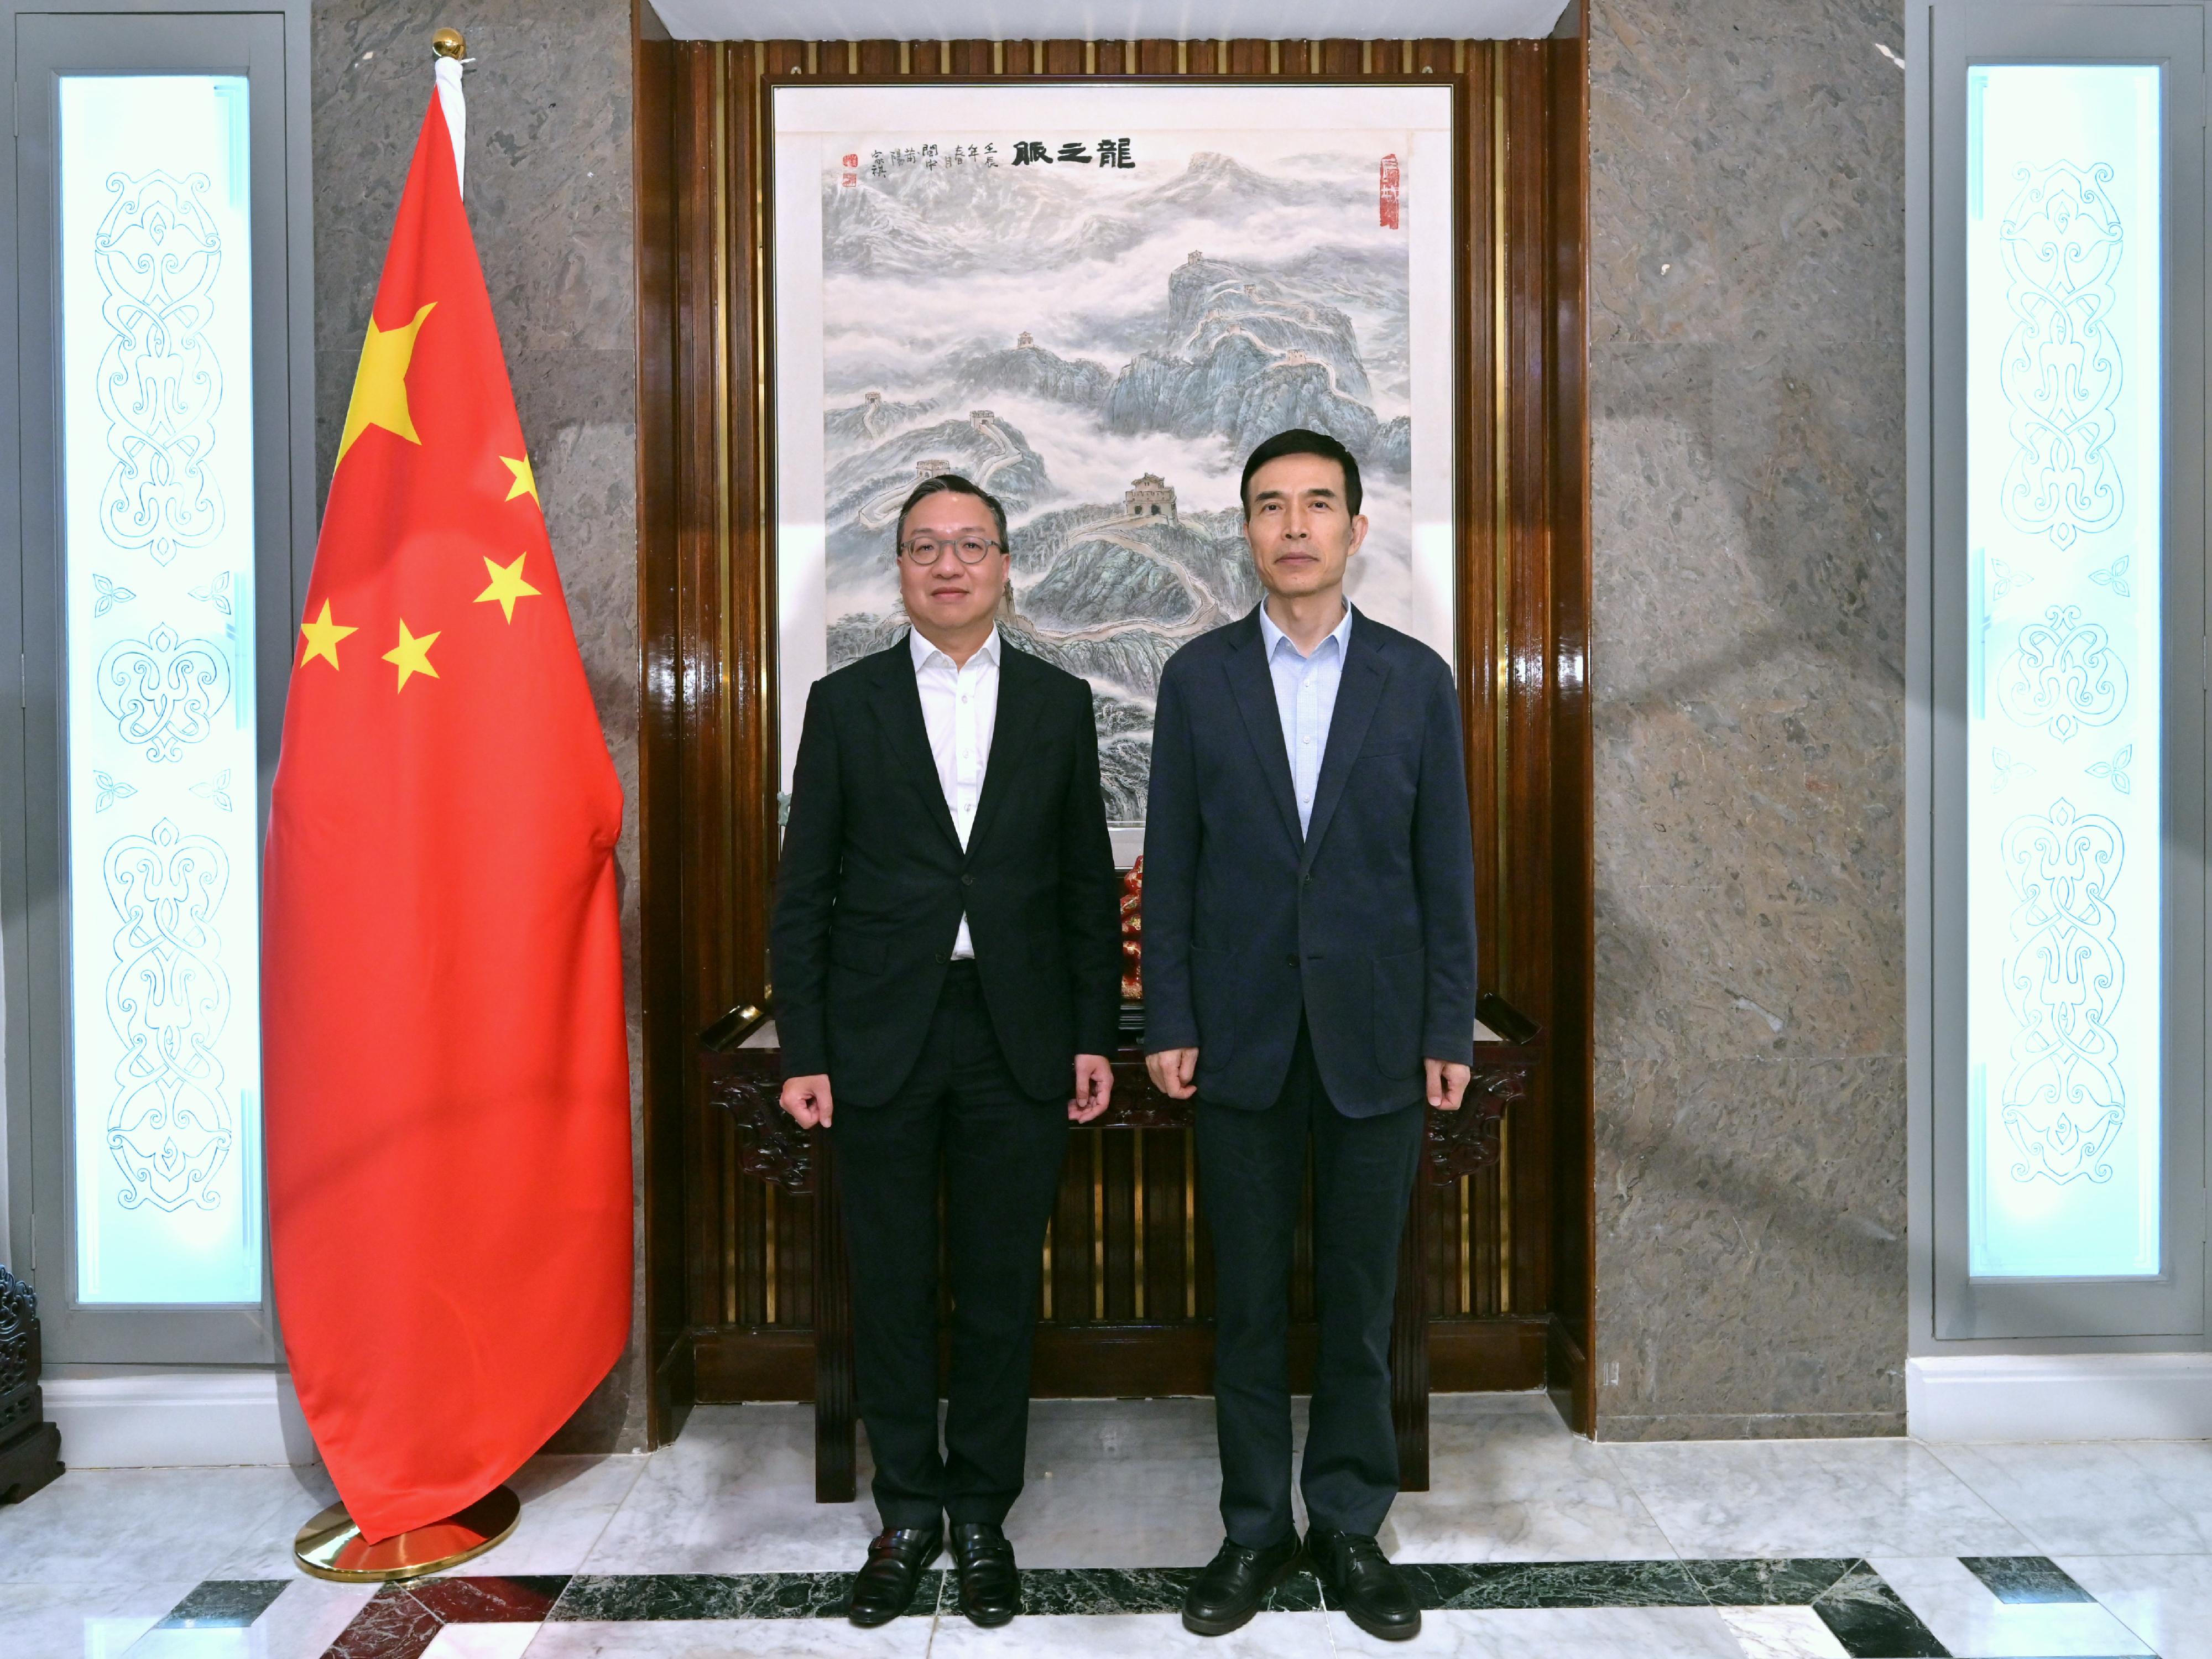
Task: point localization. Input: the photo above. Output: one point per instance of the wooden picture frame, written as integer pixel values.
(911, 225)
(730, 1303)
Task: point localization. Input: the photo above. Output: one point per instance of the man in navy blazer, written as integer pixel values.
(1309, 975)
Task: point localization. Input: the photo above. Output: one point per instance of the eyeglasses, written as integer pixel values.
(926, 550)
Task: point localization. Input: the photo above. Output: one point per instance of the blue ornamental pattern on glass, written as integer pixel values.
(2061, 240)
(2064, 673)
(168, 999)
(164, 691)
(157, 252)
(2063, 1101)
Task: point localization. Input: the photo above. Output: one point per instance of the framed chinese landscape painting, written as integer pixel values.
(1094, 300)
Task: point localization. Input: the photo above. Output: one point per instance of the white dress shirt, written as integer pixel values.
(959, 706)
(1305, 697)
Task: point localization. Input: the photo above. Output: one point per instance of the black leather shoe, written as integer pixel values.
(1355, 1575)
(1234, 1585)
(897, 1557)
(990, 1588)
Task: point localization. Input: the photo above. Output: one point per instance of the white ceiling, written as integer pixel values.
(1107, 20)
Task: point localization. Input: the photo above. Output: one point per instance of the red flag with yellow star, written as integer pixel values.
(446, 1072)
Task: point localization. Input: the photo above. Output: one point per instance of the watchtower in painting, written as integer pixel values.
(1150, 497)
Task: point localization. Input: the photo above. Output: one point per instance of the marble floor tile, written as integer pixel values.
(1825, 1498)
(188, 1641)
(1556, 1633)
(1509, 1482)
(1155, 1468)
(2111, 1497)
(307, 1617)
(2164, 1600)
(567, 1503)
(733, 1639)
(82, 1621)
(1782, 1633)
(1129, 1636)
(265, 1551)
(481, 1642)
(2024, 1579)
(1965, 1616)
(107, 1525)
(735, 1493)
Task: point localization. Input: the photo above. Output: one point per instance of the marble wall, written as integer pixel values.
(549, 198)
(1747, 412)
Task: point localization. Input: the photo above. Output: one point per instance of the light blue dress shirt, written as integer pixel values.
(1305, 697)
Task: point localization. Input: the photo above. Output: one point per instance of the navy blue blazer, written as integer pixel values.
(1367, 921)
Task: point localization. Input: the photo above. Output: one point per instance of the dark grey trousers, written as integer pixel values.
(1252, 1172)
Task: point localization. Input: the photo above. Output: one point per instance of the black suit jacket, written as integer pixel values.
(1365, 921)
(873, 882)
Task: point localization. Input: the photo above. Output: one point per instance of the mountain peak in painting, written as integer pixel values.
(1100, 347)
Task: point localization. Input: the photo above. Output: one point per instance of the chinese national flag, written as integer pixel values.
(446, 1067)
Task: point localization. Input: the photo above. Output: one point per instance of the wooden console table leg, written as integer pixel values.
(1409, 1343)
(834, 1450)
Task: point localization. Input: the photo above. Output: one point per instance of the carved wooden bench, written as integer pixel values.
(746, 1082)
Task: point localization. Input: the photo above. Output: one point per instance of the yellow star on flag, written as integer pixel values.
(506, 586)
(379, 382)
(323, 637)
(412, 656)
(525, 481)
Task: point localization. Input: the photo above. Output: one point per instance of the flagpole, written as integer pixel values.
(330, 1544)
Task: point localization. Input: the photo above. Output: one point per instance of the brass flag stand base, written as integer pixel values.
(332, 1547)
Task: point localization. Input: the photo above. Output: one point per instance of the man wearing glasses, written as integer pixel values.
(947, 971)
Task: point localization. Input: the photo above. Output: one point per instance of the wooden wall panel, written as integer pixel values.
(1502, 1238)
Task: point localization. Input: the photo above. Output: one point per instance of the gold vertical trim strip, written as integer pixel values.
(852, 57)
(1274, 57)
(1091, 57)
(767, 1213)
(1466, 1254)
(1097, 1225)
(1367, 57)
(729, 1221)
(1221, 58)
(813, 58)
(1313, 58)
(998, 57)
(1137, 1189)
(1036, 58)
(1505, 1212)
(1405, 57)
(1502, 528)
(906, 58)
(1183, 57)
(945, 57)
(1190, 1224)
(1048, 1267)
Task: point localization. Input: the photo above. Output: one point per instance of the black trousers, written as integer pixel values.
(1252, 1167)
(1000, 1152)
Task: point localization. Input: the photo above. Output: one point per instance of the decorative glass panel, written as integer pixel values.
(164, 883)
(2064, 355)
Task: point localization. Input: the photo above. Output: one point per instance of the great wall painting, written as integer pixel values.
(1100, 347)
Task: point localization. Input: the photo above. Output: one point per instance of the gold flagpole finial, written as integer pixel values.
(449, 43)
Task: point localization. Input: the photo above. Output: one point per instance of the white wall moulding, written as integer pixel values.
(1108, 20)
(2028, 1397)
(133, 1419)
